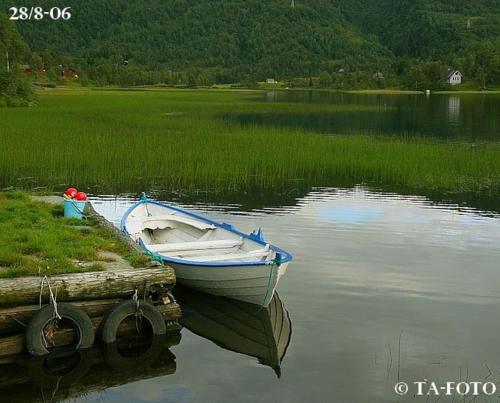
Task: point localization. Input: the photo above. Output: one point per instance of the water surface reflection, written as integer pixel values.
(383, 287)
(473, 117)
(263, 333)
(74, 375)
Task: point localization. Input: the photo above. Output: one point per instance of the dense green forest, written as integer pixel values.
(14, 89)
(320, 43)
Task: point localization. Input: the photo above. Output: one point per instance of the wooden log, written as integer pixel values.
(85, 286)
(13, 345)
(14, 320)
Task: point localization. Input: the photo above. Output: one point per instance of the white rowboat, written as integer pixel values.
(208, 256)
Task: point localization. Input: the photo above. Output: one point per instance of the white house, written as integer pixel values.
(271, 81)
(454, 77)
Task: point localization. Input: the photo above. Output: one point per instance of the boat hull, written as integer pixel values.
(252, 284)
(208, 256)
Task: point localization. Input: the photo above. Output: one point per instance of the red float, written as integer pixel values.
(71, 192)
(80, 196)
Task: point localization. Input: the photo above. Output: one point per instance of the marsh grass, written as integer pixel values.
(170, 140)
(35, 239)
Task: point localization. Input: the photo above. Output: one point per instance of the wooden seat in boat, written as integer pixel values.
(197, 245)
(257, 254)
(167, 221)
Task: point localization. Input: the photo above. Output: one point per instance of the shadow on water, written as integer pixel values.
(72, 374)
(263, 333)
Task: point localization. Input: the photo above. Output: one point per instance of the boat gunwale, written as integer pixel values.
(286, 256)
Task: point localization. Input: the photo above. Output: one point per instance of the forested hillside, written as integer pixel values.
(203, 42)
(426, 28)
(426, 37)
(14, 89)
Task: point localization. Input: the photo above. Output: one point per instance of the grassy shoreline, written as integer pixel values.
(36, 240)
(172, 140)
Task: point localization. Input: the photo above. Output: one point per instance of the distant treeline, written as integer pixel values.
(305, 43)
(480, 68)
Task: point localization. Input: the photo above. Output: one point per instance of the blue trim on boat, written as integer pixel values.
(284, 256)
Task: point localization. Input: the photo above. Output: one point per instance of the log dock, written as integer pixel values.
(95, 293)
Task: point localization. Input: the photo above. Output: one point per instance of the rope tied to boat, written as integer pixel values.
(155, 256)
(276, 262)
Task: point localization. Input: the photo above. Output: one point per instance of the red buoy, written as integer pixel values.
(71, 192)
(80, 196)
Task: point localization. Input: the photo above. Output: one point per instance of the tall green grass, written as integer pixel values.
(170, 140)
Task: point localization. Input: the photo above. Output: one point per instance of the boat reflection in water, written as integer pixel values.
(72, 374)
(263, 333)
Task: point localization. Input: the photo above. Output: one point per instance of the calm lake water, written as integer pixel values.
(473, 117)
(383, 288)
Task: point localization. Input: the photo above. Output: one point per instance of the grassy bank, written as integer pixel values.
(171, 140)
(36, 240)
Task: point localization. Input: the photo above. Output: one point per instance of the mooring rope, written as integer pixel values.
(17, 321)
(155, 256)
(135, 298)
(52, 298)
(138, 311)
(274, 263)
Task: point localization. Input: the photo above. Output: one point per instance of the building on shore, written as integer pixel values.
(454, 77)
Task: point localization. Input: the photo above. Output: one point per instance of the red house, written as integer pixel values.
(70, 73)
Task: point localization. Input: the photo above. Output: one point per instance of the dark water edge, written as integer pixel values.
(258, 198)
(466, 117)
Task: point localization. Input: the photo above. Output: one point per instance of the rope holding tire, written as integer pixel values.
(131, 308)
(36, 340)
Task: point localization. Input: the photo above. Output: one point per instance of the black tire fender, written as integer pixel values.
(127, 309)
(79, 319)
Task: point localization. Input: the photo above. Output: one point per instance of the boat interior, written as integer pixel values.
(180, 236)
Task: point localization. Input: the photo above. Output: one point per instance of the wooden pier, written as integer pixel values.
(95, 293)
